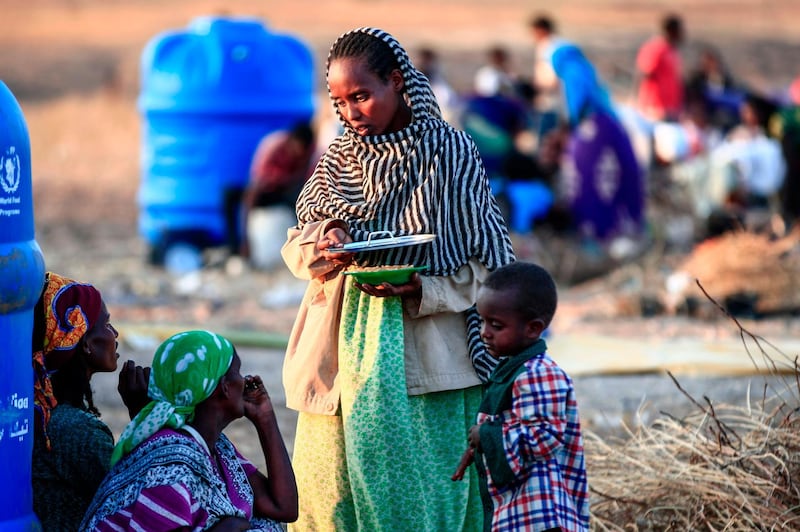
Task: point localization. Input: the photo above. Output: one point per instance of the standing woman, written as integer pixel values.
(601, 179)
(387, 377)
(72, 340)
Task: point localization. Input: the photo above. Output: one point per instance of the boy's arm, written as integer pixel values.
(533, 428)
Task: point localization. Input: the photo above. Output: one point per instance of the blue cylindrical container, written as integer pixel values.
(21, 281)
(209, 93)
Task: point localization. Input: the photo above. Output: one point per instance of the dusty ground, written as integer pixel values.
(73, 64)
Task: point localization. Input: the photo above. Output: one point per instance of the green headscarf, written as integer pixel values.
(186, 370)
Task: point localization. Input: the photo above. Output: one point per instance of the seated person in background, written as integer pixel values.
(174, 469)
(743, 170)
(685, 148)
(281, 164)
(494, 121)
(498, 118)
(755, 112)
(751, 160)
(497, 75)
(72, 340)
(711, 85)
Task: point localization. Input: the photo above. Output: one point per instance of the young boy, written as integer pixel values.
(527, 440)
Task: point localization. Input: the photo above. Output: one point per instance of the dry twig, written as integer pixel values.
(722, 467)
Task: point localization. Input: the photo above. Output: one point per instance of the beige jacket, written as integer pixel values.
(435, 332)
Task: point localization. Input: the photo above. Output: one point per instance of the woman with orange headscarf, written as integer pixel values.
(72, 340)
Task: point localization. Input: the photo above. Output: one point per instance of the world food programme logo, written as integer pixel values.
(10, 171)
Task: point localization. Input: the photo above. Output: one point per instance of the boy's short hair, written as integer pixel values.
(535, 294)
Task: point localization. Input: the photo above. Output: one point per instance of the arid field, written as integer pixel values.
(74, 67)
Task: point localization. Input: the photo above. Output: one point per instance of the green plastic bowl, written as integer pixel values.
(385, 274)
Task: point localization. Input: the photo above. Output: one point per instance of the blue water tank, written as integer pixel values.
(21, 281)
(209, 93)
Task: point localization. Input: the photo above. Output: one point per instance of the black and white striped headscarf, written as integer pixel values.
(425, 178)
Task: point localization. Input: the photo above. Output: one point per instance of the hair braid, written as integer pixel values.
(378, 55)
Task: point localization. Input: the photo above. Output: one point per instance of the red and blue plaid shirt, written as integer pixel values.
(532, 446)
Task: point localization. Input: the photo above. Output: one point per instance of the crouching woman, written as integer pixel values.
(174, 469)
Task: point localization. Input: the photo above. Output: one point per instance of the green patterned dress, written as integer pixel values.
(394, 453)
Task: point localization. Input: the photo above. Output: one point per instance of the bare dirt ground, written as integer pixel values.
(73, 65)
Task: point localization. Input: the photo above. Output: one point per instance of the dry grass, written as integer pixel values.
(723, 467)
(750, 263)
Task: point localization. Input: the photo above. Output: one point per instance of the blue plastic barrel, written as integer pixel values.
(209, 93)
(21, 281)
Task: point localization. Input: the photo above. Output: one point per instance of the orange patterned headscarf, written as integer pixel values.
(66, 310)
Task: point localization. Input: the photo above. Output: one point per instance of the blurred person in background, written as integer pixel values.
(785, 126)
(711, 84)
(280, 166)
(496, 116)
(601, 181)
(429, 63)
(749, 160)
(582, 90)
(499, 117)
(547, 95)
(497, 75)
(660, 69)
